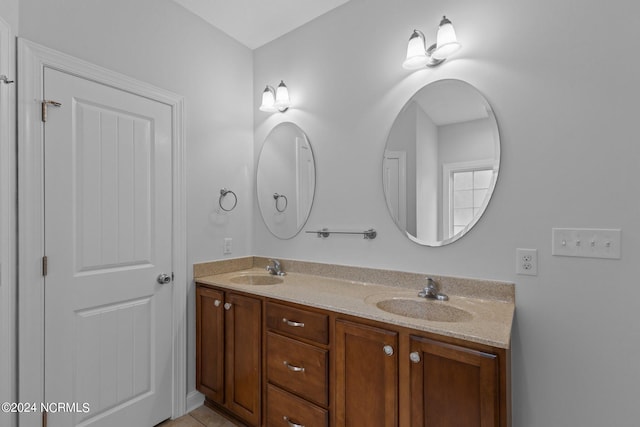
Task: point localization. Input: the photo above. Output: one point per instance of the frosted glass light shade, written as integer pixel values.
(282, 101)
(447, 42)
(268, 100)
(416, 52)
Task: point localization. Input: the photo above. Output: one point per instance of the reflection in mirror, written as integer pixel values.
(285, 180)
(441, 162)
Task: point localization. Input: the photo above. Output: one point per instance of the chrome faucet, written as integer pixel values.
(275, 268)
(431, 291)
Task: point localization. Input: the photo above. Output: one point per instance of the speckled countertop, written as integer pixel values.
(484, 309)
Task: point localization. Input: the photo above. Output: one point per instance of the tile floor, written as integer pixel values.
(199, 417)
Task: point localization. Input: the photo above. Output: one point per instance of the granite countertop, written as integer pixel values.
(486, 321)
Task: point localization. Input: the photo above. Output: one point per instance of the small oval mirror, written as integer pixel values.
(441, 162)
(285, 180)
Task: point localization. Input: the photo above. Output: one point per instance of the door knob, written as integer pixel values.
(163, 279)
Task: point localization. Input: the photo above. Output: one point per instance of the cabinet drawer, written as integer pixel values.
(298, 367)
(300, 323)
(287, 410)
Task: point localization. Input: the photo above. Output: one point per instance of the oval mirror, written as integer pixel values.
(285, 180)
(441, 162)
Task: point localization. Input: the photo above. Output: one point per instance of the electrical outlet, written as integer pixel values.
(527, 262)
(227, 246)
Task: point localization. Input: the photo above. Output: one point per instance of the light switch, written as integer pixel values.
(586, 242)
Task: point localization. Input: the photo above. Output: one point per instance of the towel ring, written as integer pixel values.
(223, 194)
(277, 197)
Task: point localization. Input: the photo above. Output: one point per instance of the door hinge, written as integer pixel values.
(44, 419)
(45, 265)
(46, 103)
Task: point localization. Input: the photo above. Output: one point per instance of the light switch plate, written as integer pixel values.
(586, 242)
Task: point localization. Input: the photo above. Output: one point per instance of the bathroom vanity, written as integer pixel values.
(336, 346)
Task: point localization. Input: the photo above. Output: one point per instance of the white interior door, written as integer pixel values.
(108, 235)
(394, 172)
(305, 185)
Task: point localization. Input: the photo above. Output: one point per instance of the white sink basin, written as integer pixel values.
(421, 308)
(256, 279)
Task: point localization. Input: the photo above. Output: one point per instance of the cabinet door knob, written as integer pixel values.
(217, 303)
(293, 368)
(292, 323)
(291, 423)
(388, 350)
(227, 305)
(414, 357)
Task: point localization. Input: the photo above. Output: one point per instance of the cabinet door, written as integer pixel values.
(243, 321)
(366, 376)
(452, 385)
(210, 343)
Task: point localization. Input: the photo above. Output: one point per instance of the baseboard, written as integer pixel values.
(195, 399)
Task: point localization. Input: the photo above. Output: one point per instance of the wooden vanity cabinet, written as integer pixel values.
(452, 385)
(324, 369)
(366, 376)
(297, 363)
(210, 343)
(386, 377)
(228, 351)
(288, 410)
(297, 322)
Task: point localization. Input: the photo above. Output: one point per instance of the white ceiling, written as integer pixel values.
(256, 22)
(451, 102)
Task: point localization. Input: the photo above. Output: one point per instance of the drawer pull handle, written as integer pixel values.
(292, 323)
(414, 357)
(291, 423)
(293, 368)
(388, 350)
(227, 306)
(217, 303)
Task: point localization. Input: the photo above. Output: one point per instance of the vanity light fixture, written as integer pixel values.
(419, 56)
(275, 99)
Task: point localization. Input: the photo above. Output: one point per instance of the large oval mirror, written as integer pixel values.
(285, 180)
(441, 162)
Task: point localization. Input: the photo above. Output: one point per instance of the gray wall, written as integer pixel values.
(427, 177)
(9, 13)
(402, 137)
(467, 141)
(8, 333)
(562, 79)
(159, 42)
